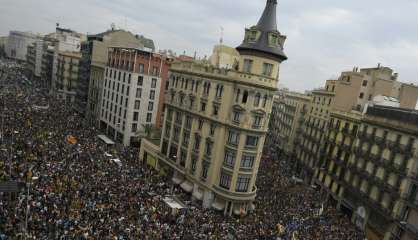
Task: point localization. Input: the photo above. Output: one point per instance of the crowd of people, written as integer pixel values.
(73, 189)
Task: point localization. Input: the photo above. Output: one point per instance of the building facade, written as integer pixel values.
(67, 75)
(93, 64)
(134, 82)
(17, 44)
(290, 111)
(370, 167)
(309, 149)
(216, 121)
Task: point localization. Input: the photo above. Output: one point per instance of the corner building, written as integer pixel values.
(216, 120)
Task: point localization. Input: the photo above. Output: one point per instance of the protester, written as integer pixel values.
(76, 192)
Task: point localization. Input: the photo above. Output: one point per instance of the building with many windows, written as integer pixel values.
(369, 170)
(92, 66)
(290, 111)
(17, 44)
(216, 120)
(308, 149)
(67, 75)
(134, 86)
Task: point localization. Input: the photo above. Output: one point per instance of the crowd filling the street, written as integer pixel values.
(74, 189)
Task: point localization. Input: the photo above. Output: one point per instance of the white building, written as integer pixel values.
(131, 93)
(17, 44)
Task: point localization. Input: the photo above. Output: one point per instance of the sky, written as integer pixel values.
(324, 37)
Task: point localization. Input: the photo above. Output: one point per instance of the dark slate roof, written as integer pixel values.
(266, 24)
(148, 43)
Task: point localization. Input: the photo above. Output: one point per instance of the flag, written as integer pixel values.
(71, 139)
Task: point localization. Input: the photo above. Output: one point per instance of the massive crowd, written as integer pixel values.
(74, 191)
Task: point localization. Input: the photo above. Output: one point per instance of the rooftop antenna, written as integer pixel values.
(221, 41)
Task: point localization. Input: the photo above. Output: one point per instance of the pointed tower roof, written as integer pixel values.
(264, 38)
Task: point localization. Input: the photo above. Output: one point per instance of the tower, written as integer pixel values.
(216, 120)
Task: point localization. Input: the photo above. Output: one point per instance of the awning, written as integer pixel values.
(106, 139)
(177, 180)
(198, 195)
(174, 203)
(218, 205)
(187, 186)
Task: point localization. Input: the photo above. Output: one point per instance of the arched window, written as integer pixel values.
(245, 97)
(257, 100)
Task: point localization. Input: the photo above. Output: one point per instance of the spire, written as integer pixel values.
(268, 20)
(264, 39)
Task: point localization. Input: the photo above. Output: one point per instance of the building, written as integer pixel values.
(224, 56)
(370, 168)
(134, 85)
(408, 96)
(354, 89)
(216, 121)
(17, 44)
(290, 111)
(3, 43)
(35, 58)
(308, 150)
(93, 64)
(67, 75)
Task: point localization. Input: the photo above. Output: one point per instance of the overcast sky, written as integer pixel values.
(325, 37)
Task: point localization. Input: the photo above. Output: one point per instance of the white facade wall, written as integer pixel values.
(17, 44)
(117, 120)
(39, 51)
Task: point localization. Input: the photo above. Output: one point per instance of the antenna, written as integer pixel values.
(221, 41)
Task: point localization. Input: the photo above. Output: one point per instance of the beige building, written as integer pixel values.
(290, 111)
(370, 168)
(67, 75)
(408, 96)
(224, 57)
(308, 150)
(95, 58)
(216, 121)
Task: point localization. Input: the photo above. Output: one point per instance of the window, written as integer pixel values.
(136, 114)
(233, 138)
(267, 69)
(243, 183)
(194, 162)
(186, 136)
(202, 106)
(229, 159)
(150, 106)
(138, 92)
(257, 99)
(140, 80)
(257, 122)
(361, 95)
(205, 169)
(364, 83)
(265, 100)
(248, 64)
(370, 97)
(208, 150)
(212, 129)
(179, 117)
(154, 83)
(141, 68)
(245, 97)
(225, 180)
(155, 71)
(167, 130)
(196, 145)
(219, 90)
(137, 104)
(247, 161)
(238, 95)
(215, 110)
(149, 117)
(134, 127)
(200, 124)
(251, 141)
(236, 116)
(152, 94)
(188, 122)
(206, 88)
